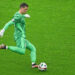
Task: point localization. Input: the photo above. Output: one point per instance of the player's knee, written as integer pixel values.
(23, 51)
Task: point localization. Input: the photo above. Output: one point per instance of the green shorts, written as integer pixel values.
(24, 43)
(20, 42)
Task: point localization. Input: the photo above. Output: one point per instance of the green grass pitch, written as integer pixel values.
(51, 29)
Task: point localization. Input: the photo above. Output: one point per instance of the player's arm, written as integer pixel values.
(8, 24)
(5, 27)
(16, 18)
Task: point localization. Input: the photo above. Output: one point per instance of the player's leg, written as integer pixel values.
(20, 46)
(16, 49)
(32, 48)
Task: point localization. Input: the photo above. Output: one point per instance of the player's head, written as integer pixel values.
(23, 8)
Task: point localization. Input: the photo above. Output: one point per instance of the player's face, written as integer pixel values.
(24, 10)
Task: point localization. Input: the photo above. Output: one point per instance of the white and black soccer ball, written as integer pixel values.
(42, 66)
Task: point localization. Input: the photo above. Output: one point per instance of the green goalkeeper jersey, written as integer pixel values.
(19, 23)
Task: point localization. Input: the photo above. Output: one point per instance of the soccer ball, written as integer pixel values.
(42, 66)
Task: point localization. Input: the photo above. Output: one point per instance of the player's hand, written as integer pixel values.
(2, 33)
(27, 15)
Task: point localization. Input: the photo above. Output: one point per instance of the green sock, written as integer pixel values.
(33, 56)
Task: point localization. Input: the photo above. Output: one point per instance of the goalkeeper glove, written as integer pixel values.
(2, 32)
(27, 15)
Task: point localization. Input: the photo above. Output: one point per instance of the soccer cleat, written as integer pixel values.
(2, 46)
(34, 66)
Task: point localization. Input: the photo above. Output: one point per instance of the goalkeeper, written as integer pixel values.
(19, 35)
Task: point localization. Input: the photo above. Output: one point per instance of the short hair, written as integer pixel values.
(22, 5)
